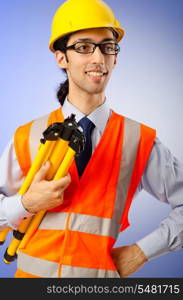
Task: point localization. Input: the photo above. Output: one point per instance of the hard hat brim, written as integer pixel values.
(119, 31)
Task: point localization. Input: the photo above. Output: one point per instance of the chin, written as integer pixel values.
(96, 89)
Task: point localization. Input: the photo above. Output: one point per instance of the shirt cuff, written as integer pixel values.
(154, 244)
(14, 210)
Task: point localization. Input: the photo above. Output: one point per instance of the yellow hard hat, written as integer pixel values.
(74, 15)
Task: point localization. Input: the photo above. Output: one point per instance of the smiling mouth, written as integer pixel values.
(96, 73)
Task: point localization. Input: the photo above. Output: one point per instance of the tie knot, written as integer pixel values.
(87, 125)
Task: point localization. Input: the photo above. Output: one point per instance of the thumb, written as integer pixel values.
(42, 173)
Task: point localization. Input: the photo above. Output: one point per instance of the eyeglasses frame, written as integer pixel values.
(72, 47)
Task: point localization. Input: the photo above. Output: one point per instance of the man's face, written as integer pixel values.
(88, 72)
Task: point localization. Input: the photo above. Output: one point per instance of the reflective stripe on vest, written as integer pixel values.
(48, 269)
(27, 138)
(129, 151)
(36, 133)
(134, 147)
(81, 223)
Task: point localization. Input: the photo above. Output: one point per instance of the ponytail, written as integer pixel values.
(63, 91)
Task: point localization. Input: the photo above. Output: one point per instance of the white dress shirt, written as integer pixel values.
(162, 178)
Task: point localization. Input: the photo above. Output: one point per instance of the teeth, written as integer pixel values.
(95, 73)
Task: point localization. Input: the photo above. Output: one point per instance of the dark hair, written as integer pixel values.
(63, 91)
(63, 88)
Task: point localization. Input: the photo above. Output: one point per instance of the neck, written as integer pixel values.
(85, 102)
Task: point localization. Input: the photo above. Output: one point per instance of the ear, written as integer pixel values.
(115, 61)
(61, 59)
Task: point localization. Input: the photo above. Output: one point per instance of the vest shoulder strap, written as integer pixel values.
(27, 138)
(21, 146)
(146, 142)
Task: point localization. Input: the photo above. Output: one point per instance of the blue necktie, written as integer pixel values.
(83, 158)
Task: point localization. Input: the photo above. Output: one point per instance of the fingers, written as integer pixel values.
(44, 195)
(41, 174)
(61, 183)
(51, 186)
(43, 171)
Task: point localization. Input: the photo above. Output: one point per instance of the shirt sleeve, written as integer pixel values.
(11, 179)
(163, 179)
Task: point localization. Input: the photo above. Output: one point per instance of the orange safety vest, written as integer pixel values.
(75, 239)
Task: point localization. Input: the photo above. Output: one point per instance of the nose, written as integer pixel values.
(97, 56)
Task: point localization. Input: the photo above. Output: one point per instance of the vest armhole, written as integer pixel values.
(21, 145)
(147, 138)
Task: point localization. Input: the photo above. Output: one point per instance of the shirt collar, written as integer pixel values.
(99, 116)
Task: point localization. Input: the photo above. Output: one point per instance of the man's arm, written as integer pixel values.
(11, 178)
(163, 179)
(41, 195)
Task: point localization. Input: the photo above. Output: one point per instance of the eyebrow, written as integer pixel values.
(92, 41)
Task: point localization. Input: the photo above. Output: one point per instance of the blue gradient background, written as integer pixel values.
(146, 86)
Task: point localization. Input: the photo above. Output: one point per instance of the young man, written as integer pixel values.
(89, 207)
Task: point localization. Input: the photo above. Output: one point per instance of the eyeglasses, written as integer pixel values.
(88, 47)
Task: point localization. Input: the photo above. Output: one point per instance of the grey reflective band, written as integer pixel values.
(94, 225)
(37, 128)
(81, 223)
(78, 272)
(47, 269)
(54, 221)
(130, 147)
(37, 266)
